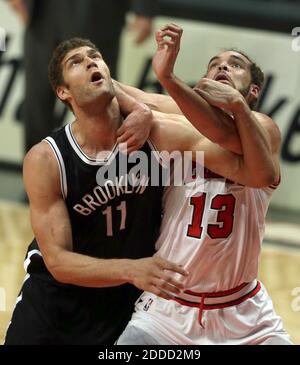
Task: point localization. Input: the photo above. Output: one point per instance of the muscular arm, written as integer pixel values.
(158, 102)
(259, 135)
(246, 133)
(209, 120)
(260, 139)
(51, 226)
(174, 132)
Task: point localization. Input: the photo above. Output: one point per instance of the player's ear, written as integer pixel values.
(254, 91)
(63, 93)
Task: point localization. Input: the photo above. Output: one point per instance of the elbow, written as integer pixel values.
(271, 178)
(270, 175)
(265, 178)
(60, 276)
(57, 270)
(229, 143)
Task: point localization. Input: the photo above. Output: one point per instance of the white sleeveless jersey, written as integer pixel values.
(215, 233)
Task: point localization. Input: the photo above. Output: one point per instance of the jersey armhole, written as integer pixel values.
(61, 166)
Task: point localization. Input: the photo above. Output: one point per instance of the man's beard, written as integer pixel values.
(245, 90)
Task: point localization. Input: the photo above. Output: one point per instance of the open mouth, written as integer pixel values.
(222, 77)
(96, 77)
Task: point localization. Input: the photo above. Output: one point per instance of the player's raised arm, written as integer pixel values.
(210, 121)
(174, 133)
(158, 102)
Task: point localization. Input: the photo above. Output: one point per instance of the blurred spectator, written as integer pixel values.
(47, 23)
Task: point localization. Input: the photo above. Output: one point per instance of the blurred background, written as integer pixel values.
(267, 30)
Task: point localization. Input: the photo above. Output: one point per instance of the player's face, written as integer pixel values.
(231, 68)
(86, 76)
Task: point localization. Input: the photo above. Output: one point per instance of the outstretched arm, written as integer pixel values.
(51, 226)
(175, 133)
(210, 121)
(158, 102)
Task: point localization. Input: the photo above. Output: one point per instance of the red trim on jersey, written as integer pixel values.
(272, 187)
(219, 293)
(275, 185)
(202, 306)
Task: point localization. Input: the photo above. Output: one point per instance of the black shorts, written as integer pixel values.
(68, 315)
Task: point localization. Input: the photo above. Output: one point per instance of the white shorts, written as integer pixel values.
(251, 322)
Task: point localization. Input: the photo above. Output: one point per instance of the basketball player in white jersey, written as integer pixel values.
(215, 232)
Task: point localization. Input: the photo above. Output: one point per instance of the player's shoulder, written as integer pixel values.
(41, 152)
(40, 172)
(269, 124)
(266, 120)
(39, 157)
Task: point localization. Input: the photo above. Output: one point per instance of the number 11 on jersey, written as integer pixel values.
(108, 213)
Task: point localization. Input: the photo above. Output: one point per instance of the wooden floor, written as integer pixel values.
(279, 270)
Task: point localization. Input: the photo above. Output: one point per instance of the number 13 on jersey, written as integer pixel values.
(224, 204)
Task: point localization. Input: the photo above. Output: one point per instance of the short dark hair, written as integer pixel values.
(55, 73)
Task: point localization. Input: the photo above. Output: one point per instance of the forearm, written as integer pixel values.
(127, 102)
(82, 270)
(150, 274)
(129, 105)
(212, 122)
(257, 151)
(158, 102)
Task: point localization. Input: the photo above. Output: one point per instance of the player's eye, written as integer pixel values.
(75, 61)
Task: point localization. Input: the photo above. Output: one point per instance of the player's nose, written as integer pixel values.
(90, 63)
(223, 66)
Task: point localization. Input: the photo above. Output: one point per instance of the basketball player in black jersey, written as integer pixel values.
(87, 260)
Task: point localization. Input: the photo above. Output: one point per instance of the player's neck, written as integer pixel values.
(95, 129)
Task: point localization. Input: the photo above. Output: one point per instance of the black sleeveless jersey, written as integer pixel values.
(115, 212)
